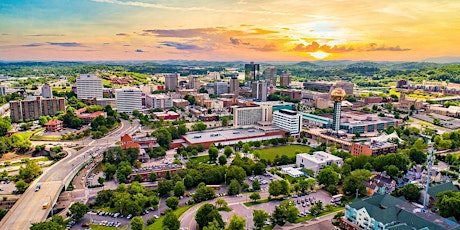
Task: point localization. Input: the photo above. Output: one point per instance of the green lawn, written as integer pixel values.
(45, 138)
(289, 150)
(159, 223)
(27, 135)
(60, 89)
(199, 159)
(100, 227)
(309, 217)
(248, 204)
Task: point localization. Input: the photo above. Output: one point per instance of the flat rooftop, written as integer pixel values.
(222, 135)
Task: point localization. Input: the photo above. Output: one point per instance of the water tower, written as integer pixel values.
(337, 95)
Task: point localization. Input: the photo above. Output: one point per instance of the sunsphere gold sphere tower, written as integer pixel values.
(337, 95)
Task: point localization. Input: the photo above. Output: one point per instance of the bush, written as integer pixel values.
(151, 220)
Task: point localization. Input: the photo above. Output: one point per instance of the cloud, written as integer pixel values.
(123, 34)
(175, 8)
(375, 47)
(263, 31)
(139, 51)
(66, 44)
(243, 25)
(5, 34)
(315, 46)
(235, 41)
(266, 48)
(181, 46)
(32, 45)
(46, 35)
(181, 33)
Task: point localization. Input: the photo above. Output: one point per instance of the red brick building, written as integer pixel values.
(167, 115)
(54, 126)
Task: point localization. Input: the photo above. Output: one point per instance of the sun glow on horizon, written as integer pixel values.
(319, 54)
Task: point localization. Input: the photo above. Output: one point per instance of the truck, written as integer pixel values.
(46, 205)
(336, 198)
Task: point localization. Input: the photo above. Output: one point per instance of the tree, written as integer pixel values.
(172, 202)
(213, 153)
(182, 129)
(188, 181)
(171, 222)
(179, 189)
(221, 203)
(78, 210)
(203, 193)
(21, 185)
(109, 170)
(5, 126)
(254, 196)
(137, 223)
(259, 168)
(278, 187)
(351, 183)
(163, 136)
(246, 148)
(332, 189)
(30, 171)
(236, 223)
(255, 185)
(164, 187)
(392, 171)
(236, 172)
(224, 121)
(285, 211)
(448, 202)
(410, 191)
(101, 180)
(259, 217)
(47, 225)
(206, 214)
(222, 160)
(327, 176)
(228, 151)
(233, 188)
(153, 176)
(200, 126)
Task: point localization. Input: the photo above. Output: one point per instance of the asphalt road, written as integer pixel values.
(28, 209)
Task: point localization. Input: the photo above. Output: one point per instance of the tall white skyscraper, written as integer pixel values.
(47, 91)
(129, 99)
(89, 86)
(259, 90)
(288, 120)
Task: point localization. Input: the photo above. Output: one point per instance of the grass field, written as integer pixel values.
(248, 204)
(100, 227)
(199, 159)
(60, 89)
(45, 138)
(288, 150)
(27, 135)
(159, 223)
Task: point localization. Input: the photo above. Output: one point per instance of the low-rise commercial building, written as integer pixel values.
(317, 160)
(166, 115)
(161, 101)
(231, 136)
(373, 148)
(54, 126)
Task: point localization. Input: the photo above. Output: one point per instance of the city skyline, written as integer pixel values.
(274, 30)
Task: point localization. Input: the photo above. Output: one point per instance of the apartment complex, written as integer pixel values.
(194, 82)
(33, 107)
(171, 81)
(89, 86)
(288, 120)
(128, 100)
(2, 90)
(220, 87)
(270, 74)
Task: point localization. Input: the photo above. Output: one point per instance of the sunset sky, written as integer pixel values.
(228, 30)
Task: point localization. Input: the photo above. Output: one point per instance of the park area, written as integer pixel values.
(288, 150)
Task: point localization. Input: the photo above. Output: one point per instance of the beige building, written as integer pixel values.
(250, 115)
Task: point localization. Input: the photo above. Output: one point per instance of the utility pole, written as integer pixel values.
(429, 164)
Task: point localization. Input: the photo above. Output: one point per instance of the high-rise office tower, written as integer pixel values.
(220, 87)
(129, 99)
(270, 74)
(285, 79)
(47, 91)
(89, 86)
(234, 85)
(171, 81)
(251, 72)
(259, 90)
(194, 82)
(2, 90)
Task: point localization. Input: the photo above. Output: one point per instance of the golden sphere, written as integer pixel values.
(338, 94)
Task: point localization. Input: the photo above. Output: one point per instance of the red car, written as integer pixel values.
(86, 225)
(162, 213)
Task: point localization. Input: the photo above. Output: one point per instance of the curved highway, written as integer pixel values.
(29, 208)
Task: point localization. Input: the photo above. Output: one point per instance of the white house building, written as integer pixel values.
(317, 161)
